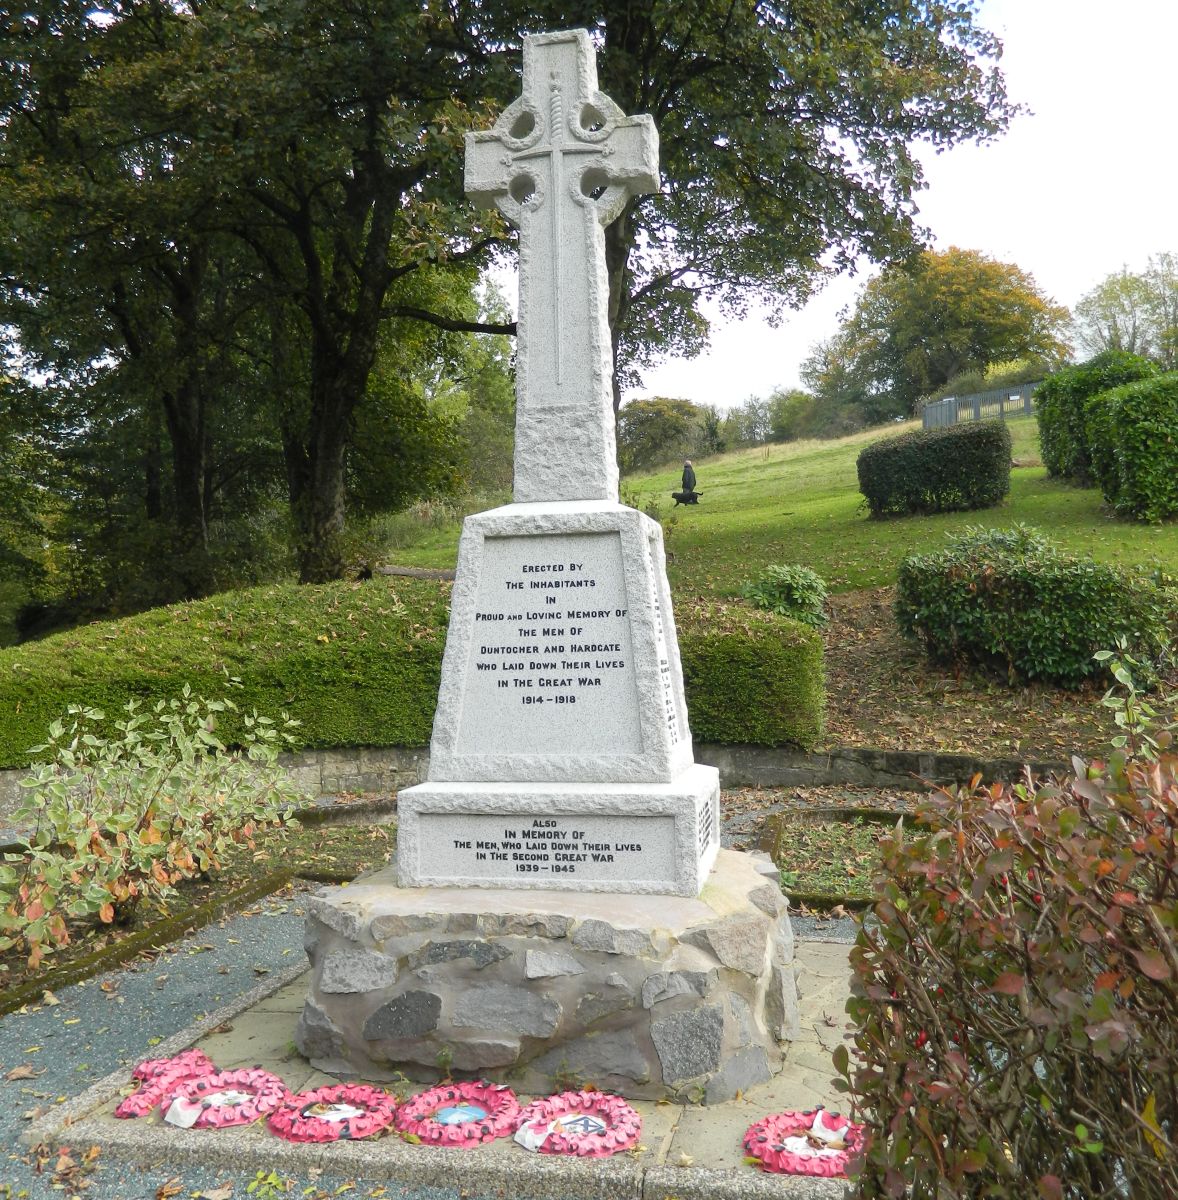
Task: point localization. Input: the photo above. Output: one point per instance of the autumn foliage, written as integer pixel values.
(122, 818)
(1016, 993)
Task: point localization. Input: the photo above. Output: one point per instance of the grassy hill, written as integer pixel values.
(800, 502)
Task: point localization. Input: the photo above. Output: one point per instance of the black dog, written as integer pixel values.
(685, 497)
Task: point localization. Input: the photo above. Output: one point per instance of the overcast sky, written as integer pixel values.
(1083, 184)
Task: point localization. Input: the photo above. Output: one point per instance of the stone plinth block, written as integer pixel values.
(606, 837)
(645, 995)
(561, 661)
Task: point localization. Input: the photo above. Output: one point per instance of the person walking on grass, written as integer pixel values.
(688, 476)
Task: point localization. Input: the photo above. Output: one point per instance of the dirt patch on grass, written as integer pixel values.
(883, 693)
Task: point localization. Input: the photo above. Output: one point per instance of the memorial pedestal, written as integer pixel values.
(647, 996)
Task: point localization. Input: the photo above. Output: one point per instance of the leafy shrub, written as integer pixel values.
(1009, 599)
(790, 591)
(1133, 447)
(751, 677)
(1015, 993)
(957, 468)
(1062, 405)
(124, 818)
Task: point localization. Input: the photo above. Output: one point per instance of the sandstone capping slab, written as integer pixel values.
(648, 995)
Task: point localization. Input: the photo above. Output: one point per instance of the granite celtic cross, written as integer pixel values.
(560, 163)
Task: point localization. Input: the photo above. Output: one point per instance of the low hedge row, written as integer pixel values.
(1009, 599)
(1062, 406)
(1133, 447)
(954, 469)
(358, 664)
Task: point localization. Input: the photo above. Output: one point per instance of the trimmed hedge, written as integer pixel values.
(1133, 446)
(359, 664)
(956, 468)
(1061, 403)
(1009, 599)
(751, 677)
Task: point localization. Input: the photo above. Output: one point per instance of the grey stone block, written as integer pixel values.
(742, 1020)
(617, 997)
(480, 953)
(500, 1006)
(399, 924)
(603, 937)
(738, 942)
(316, 1035)
(688, 1042)
(769, 900)
(664, 985)
(739, 1073)
(543, 964)
(356, 971)
(478, 1054)
(409, 1015)
(595, 1057)
(549, 925)
(781, 1004)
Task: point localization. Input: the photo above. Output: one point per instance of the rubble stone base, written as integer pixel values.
(646, 996)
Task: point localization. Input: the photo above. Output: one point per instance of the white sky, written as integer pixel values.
(1086, 183)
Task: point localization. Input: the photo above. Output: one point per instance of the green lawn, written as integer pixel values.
(799, 502)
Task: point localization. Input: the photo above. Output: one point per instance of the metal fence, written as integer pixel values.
(1017, 401)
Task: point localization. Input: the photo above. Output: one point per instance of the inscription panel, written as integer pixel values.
(551, 667)
(477, 847)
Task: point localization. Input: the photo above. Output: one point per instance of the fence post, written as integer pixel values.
(977, 408)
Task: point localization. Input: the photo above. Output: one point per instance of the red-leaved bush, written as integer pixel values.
(1016, 993)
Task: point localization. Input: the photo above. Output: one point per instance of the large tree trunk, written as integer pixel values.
(619, 238)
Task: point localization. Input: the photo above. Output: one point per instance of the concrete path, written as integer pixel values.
(106, 1025)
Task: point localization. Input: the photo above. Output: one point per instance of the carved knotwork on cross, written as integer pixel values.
(560, 163)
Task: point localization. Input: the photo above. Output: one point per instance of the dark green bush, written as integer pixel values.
(1133, 446)
(957, 468)
(751, 677)
(360, 664)
(1015, 994)
(1062, 405)
(1009, 599)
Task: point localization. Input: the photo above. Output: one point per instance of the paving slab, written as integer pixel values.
(687, 1152)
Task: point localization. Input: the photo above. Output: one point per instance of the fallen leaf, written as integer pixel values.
(47, 997)
(684, 1160)
(24, 1071)
(220, 1193)
(166, 1191)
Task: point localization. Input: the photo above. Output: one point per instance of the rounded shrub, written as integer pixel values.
(1015, 992)
(790, 591)
(1009, 599)
(1062, 406)
(1133, 446)
(960, 467)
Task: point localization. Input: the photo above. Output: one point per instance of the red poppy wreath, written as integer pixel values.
(585, 1124)
(460, 1114)
(341, 1110)
(159, 1078)
(813, 1142)
(226, 1098)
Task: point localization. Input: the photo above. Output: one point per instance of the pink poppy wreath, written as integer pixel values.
(340, 1110)
(813, 1142)
(226, 1098)
(460, 1114)
(159, 1078)
(586, 1124)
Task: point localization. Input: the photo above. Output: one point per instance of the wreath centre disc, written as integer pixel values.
(337, 1111)
(459, 1114)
